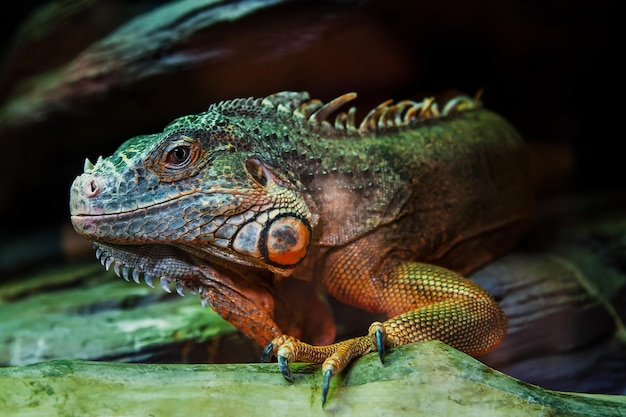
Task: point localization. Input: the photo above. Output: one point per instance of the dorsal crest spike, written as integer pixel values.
(341, 120)
(429, 108)
(288, 99)
(307, 108)
(345, 121)
(370, 121)
(322, 113)
(406, 111)
(350, 122)
(459, 103)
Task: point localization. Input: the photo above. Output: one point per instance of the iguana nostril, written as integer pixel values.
(91, 188)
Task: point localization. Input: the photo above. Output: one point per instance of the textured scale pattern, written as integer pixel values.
(445, 306)
(258, 205)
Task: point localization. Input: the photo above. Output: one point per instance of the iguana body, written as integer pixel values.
(230, 202)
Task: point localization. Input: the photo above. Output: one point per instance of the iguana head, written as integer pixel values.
(204, 187)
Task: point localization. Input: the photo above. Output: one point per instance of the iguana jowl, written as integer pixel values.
(241, 201)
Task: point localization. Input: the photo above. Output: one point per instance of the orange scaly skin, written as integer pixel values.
(256, 204)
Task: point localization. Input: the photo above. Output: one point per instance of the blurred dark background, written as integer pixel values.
(551, 67)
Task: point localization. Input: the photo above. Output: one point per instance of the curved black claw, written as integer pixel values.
(268, 351)
(380, 345)
(283, 365)
(327, 376)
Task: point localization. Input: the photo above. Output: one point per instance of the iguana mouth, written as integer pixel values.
(108, 257)
(170, 265)
(80, 205)
(83, 217)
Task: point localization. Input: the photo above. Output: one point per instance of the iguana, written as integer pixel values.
(244, 201)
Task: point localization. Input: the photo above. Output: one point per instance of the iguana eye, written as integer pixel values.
(179, 156)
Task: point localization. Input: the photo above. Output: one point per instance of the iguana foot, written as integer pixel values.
(334, 358)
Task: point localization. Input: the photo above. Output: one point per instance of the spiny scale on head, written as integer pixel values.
(315, 113)
(89, 166)
(125, 271)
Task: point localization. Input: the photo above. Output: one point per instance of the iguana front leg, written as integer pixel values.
(425, 302)
(264, 310)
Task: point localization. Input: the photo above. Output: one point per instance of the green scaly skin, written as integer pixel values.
(230, 202)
